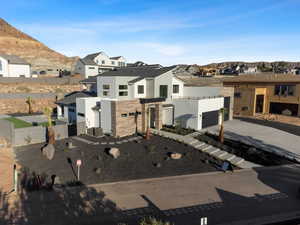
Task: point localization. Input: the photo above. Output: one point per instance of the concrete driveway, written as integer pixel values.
(264, 137)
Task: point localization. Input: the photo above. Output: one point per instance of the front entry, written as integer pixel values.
(152, 117)
(259, 108)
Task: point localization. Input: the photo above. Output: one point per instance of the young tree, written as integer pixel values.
(29, 101)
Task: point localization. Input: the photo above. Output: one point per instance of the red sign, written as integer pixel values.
(78, 162)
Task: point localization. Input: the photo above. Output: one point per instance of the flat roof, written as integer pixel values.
(263, 78)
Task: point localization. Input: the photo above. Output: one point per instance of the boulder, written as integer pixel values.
(48, 151)
(175, 155)
(114, 152)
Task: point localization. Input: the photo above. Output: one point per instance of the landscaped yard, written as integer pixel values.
(178, 130)
(138, 159)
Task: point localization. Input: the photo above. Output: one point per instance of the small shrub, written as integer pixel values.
(74, 183)
(151, 148)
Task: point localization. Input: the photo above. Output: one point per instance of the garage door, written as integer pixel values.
(227, 108)
(210, 118)
(279, 108)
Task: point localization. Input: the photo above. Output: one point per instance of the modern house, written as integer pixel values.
(265, 93)
(133, 99)
(97, 63)
(13, 66)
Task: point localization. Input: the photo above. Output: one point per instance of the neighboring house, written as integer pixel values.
(90, 84)
(13, 66)
(295, 71)
(134, 98)
(249, 70)
(265, 93)
(66, 107)
(98, 63)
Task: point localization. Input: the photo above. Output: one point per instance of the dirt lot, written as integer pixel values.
(145, 159)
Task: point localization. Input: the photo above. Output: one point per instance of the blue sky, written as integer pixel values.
(164, 31)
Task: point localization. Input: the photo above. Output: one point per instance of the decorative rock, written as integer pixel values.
(57, 181)
(48, 151)
(114, 152)
(175, 155)
(158, 165)
(98, 170)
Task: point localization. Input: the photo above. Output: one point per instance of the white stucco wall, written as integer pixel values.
(4, 69)
(135, 86)
(201, 91)
(189, 111)
(106, 116)
(167, 79)
(89, 72)
(85, 105)
(186, 113)
(114, 83)
(16, 70)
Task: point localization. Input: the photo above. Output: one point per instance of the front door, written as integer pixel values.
(152, 117)
(259, 104)
(163, 91)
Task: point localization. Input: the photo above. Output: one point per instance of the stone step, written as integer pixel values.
(219, 153)
(212, 150)
(206, 148)
(227, 157)
(236, 161)
(201, 144)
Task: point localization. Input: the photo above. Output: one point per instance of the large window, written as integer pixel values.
(163, 91)
(140, 89)
(175, 89)
(105, 86)
(103, 61)
(285, 90)
(123, 87)
(123, 93)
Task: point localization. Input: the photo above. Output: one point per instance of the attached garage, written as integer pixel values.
(280, 108)
(210, 118)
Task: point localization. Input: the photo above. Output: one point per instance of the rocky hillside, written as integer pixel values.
(278, 64)
(13, 41)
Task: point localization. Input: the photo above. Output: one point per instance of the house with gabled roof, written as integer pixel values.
(132, 99)
(98, 63)
(13, 66)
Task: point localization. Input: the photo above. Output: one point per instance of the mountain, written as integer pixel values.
(15, 42)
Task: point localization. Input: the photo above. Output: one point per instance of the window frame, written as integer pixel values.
(176, 86)
(138, 89)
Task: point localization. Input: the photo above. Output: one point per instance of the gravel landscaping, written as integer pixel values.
(135, 160)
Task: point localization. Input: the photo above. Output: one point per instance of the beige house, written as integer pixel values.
(265, 93)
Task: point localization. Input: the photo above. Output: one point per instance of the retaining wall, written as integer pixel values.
(33, 135)
(6, 130)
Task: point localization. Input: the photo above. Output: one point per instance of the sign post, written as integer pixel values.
(78, 164)
(15, 178)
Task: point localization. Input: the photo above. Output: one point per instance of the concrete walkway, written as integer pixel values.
(209, 149)
(253, 196)
(267, 138)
